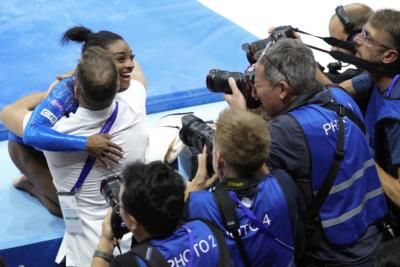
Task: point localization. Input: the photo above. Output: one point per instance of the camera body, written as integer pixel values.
(109, 188)
(335, 67)
(195, 133)
(217, 80)
(253, 49)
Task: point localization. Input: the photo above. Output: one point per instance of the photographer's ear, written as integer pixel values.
(285, 92)
(390, 56)
(131, 222)
(220, 162)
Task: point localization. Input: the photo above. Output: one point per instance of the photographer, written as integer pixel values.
(317, 137)
(263, 204)
(379, 43)
(151, 202)
(345, 25)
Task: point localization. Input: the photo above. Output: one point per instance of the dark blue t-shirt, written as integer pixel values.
(363, 84)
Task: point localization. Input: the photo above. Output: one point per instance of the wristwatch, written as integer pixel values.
(104, 255)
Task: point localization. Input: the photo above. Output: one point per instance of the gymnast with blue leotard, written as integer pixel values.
(30, 119)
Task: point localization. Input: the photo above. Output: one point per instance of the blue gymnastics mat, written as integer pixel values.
(176, 42)
(29, 235)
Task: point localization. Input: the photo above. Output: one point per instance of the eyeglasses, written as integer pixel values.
(369, 41)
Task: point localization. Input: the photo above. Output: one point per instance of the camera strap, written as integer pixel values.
(261, 227)
(90, 160)
(227, 209)
(337, 108)
(332, 41)
(313, 210)
(388, 69)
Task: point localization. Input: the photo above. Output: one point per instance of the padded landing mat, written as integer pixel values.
(176, 42)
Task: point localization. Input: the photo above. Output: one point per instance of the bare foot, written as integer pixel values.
(23, 183)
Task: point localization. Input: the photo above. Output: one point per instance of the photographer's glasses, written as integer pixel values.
(369, 41)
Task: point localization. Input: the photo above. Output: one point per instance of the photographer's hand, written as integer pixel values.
(296, 35)
(201, 180)
(106, 243)
(236, 99)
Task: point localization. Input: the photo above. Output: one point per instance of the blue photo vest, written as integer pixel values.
(176, 250)
(356, 199)
(270, 207)
(379, 109)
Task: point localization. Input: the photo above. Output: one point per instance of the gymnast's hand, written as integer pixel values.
(100, 146)
(58, 79)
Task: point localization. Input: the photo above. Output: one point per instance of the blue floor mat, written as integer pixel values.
(176, 42)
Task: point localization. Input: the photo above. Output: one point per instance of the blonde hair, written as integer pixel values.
(243, 140)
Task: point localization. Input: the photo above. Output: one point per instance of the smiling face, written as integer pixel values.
(123, 59)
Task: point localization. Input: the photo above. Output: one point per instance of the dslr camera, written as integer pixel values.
(109, 188)
(217, 80)
(254, 49)
(195, 133)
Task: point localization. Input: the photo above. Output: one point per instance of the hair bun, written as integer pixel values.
(78, 34)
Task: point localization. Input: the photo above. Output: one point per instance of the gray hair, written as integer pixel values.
(291, 61)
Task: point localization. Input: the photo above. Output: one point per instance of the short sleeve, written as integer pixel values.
(135, 97)
(392, 130)
(362, 84)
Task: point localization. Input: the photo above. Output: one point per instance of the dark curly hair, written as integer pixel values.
(154, 195)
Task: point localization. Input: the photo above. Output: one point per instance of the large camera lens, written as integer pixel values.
(109, 188)
(217, 80)
(196, 134)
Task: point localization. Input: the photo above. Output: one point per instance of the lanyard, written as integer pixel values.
(252, 217)
(191, 245)
(90, 159)
(391, 85)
